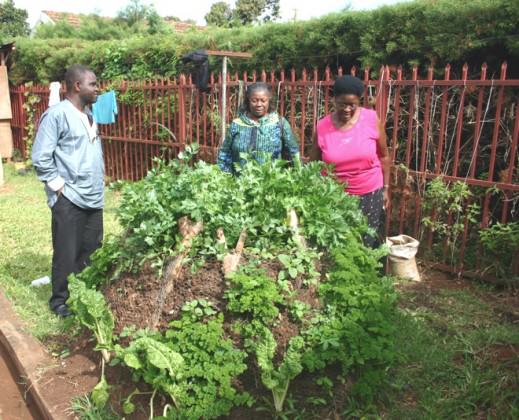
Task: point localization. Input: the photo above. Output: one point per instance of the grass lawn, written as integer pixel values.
(460, 356)
(459, 341)
(26, 248)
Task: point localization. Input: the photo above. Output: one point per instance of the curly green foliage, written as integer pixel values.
(357, 326)
(254, 295)
(211, 364)
(192, 362)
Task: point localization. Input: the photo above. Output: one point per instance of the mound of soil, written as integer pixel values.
(133, 298)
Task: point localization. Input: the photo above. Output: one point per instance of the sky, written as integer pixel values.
(192, 9)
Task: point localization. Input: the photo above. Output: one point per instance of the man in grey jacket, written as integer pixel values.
(68, 158)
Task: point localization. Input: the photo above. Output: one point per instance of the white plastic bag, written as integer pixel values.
(41, 281)
(402, 252)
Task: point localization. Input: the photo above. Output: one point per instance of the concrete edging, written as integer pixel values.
(27, 356)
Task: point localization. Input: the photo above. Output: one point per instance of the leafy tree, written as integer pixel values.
(13, 21)
(142, 17)
(135, 13)
(219, 15)
(245, 12)
(250, 11)
(156, 24)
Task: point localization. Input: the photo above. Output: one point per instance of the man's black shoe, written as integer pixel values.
(62, 311)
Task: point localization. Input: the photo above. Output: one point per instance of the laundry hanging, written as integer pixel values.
(105, 108)
(54, 97)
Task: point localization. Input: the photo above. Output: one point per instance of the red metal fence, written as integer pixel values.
(461, 129)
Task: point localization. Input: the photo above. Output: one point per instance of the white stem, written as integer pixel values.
(151, 403)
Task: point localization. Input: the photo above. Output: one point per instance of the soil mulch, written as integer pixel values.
(133, 297)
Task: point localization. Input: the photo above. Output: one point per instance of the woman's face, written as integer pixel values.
(259, 103)
(345, 106)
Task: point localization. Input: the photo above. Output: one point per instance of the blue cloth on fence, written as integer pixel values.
(105, 108)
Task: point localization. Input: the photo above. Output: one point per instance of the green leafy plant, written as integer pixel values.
(299, 309)
(277, 379)
(197, 309)
(91, 310)
(299, 263)
(357, 326)
(500, 246)
(254, 295)
(211, 365)
(261, 195)
(194, 362)
(153, 361)
(101, 392)
(448, 207)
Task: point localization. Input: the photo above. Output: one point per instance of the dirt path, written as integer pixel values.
(12, 404)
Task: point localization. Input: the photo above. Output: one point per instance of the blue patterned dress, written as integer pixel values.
(260, 140)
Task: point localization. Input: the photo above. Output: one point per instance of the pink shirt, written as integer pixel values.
(353, 152)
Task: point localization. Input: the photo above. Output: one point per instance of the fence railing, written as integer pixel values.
(462, 130)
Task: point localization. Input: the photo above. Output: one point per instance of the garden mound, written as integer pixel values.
(132, 297)
(220, 292)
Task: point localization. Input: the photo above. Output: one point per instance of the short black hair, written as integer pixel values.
(348, 85)
(257, 87)
(75, 73)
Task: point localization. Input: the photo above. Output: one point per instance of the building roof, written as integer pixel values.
(179, 26)
(71, 18)
(75, 20)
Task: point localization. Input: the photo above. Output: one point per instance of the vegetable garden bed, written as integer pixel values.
(226, 294)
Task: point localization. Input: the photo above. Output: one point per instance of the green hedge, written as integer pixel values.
(422, 32)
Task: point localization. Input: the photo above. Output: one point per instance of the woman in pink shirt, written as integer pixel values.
(354, 141)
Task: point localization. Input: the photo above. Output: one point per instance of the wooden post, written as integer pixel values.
(224, 96)
(226, 54)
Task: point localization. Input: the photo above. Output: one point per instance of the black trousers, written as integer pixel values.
(371, 205)
(76, 234)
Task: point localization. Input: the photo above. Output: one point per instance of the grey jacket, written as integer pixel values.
(67, 153)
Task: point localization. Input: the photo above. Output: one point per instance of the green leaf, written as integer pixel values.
(100, 393)
(128, 407)
(285, 259)
(131, 360)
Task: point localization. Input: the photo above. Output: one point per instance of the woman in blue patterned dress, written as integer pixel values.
(258, 133)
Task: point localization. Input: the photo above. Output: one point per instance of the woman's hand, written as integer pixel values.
(386, 198)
